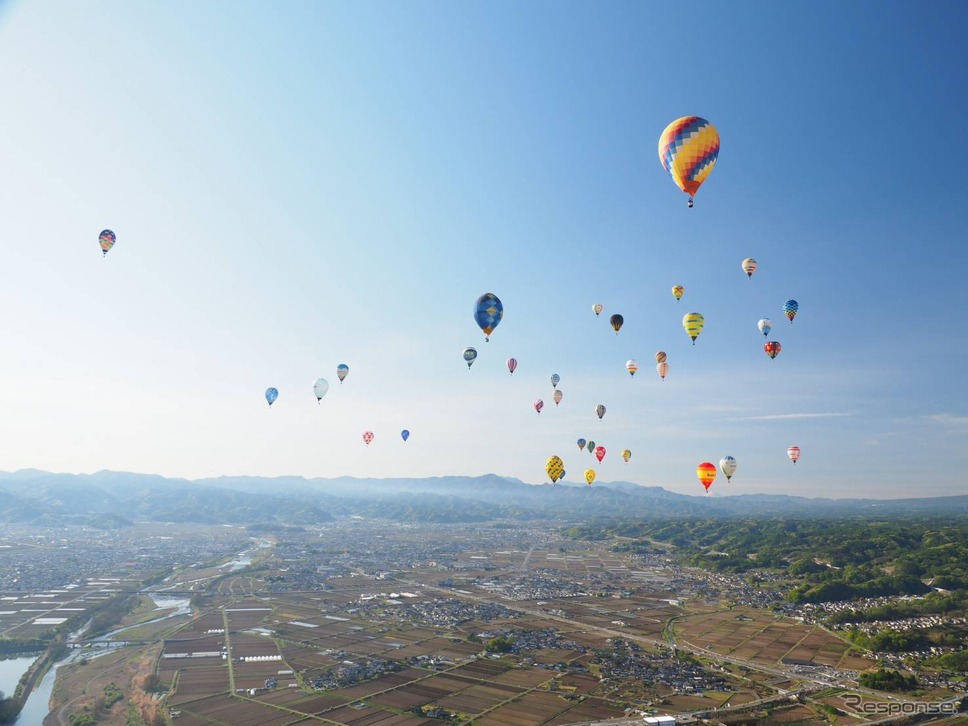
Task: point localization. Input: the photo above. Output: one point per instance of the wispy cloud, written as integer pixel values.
(948, 419)
(784, 416)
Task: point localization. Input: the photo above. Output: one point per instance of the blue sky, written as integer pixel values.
(299, 185)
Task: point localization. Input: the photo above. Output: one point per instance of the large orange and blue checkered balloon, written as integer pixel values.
(688, 149)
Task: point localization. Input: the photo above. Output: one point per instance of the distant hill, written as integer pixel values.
(111, 499)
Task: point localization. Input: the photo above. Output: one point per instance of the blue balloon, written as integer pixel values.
(488, 312)
(581, 444)
(271, 395)
(405, 434)
(790, 307)
(470, 355)
(555, 380)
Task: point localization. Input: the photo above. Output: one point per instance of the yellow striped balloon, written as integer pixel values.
(688, 149)
(693, 323)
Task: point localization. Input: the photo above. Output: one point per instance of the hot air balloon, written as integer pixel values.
(688, 149)
(597, 308)
(660, 357)
(563, 475)
(662, 369)
(790, 307)
(772, 348)
(616, 322)
(555, 468)
(470, 355)
(599, 453)
(538, 405)
(319, 388)
(794, 453)
(631, 366)
(693, 323)
(749, 266)
(367, 437)
(590, 446)
(512, 365)
(555, 380)
(342, 370)
(488, 312)
(600, 410)
(581, 444)
(271, 395)
(405, 434)
(626, 454)
(557, 396)
(107, 239)
(706, 473)
(589, 476)
(677, 291)
(728, 465)
(765, 326)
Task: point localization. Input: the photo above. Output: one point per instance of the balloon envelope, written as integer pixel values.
(470, 355)
(616, 321)
(706, 473)
(557, 395)
(662, 369)
(319, 388)
(405, 434)
(790, 308)
(597, 308)
(555, 468)
(271, 395)
(660, 357)
(512, 365)
(693, 323)
(626, 454)
(599, 453)
(367, 437)
(794, 453)
(538, 405)
(688, 149)
(106, 239)
(488, 312)
(728, 466)
(631, 366)
(590, 446)
(342, 370)
(765, 326)
(581, 444)
(772, 348)
(749, 266)
(600, 410)
(589, 476)
(677, 291)
(555, 380)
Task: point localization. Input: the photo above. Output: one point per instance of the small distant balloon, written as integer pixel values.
(405, 434)
(107, 239)
(589, 476)
(488, 313)
(581, 444)
(706, 473)
(600, 411)
(677, 292)
(512, 365)
(538, 405)
(555, 468)
(794, 453)
(660, 357)
(662, 369)
(320, 387)
(765, 326)
(693, 323)
(616, 321)
(599, 453)
(631, 366)
(271, 395)
(749, 266)
(626, 455)
(772, 348)
(597, 308)
(557, 396)
(728, 466)
(555, 380)
(342, 370)
(470, 355)
(590, 446)
(367, 437)
(790, 308)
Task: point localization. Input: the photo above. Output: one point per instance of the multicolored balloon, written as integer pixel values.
(405, 434)
(794, 453)
(488, 313)
(693, 323)
(631, 366)
(600, 411)
(319, 388)
(512, 365)
(581, 444)
(597, 308)
(728, 466)
(772, 348)
(660, 357)
(688, 149)
(538, 405)
(555, 380)
(367, 437)
(677, 291)
(749, 266)
(107, 238)
(271, 395)
(590, 446)
(599, 453)
(557, 396)
(626, 454)
(662, 369)
(589, 476)
(342, 370)
(555, 468)
(706, 473)
(470, 355)
(616, 321)
(765, 326)
(790, 307)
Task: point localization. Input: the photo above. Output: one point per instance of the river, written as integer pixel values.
(11, 669)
